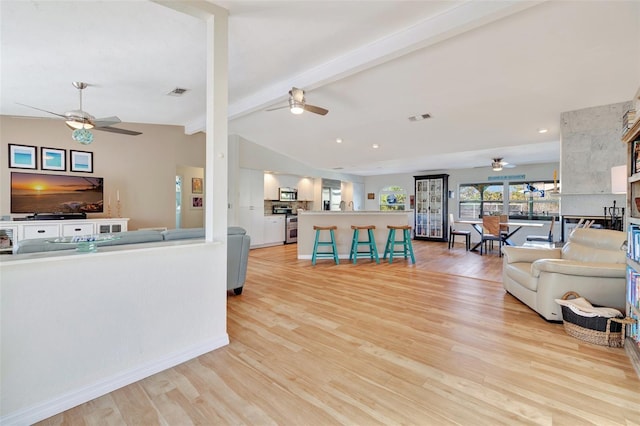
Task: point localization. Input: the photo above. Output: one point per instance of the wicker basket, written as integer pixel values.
(597, 330)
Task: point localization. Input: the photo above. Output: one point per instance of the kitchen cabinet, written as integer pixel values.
(273, 183)
(431, 207)
(288, 181)
(305, 189)
(271, 186)
(251, 204)
(274, 230)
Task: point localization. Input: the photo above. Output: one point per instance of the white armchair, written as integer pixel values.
(592, 264)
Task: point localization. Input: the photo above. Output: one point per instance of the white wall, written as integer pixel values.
(142, 168)
(76, 326)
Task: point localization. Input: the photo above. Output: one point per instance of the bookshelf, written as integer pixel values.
(631, 137)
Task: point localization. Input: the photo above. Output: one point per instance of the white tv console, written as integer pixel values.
(14, 231)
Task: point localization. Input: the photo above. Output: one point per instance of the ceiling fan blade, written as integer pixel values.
(117, 130)
(276, 108)
(106, 121)
(316, 109)
(297, 94)
(43, 110)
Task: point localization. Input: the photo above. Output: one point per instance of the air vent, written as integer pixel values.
(419, 117)
(178, 91)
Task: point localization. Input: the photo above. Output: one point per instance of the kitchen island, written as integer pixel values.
(343, 220)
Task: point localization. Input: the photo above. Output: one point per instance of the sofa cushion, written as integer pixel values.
(520, 272)
(602, 246)
(183, 233)
(236, 230)
(134, 237)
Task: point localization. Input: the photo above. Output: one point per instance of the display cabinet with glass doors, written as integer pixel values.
(431, 207)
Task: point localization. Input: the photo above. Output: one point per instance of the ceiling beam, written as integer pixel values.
(455, 21)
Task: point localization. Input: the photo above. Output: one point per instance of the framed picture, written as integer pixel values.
(196, 185)
(81, 161)
(196, 203)
(53, 159)
(22, 156)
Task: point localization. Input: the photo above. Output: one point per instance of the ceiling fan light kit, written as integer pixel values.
(81, 121)
(498, 164)
(298, 105)
(84, 136)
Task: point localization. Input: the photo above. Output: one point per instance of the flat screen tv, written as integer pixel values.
(45, 193)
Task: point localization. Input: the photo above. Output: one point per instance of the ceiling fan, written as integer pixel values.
(298, 104)
(78, 119)
(498, 164)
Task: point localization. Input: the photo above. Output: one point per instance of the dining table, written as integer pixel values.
(512, 226)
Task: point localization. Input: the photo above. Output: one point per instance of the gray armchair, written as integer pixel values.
(237, 258)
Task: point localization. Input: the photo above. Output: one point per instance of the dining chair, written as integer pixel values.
(504, 229)
(490, 232)
(548, 238)
(453, 232)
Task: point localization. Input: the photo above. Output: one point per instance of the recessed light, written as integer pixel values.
(375, 146)
(338, 140)
(542, 130)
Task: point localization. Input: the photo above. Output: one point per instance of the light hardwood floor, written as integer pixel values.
(435, 343)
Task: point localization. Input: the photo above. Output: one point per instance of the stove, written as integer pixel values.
(291, 229)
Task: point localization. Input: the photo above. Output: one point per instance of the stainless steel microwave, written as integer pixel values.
(288, 194)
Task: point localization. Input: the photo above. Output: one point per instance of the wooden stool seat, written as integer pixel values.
(370, 243)
(324, 228)
(407, 247)
(331, 243)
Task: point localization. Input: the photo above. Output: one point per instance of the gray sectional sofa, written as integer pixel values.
(237, 247)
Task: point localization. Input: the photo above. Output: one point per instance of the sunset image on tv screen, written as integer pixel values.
(44, 193)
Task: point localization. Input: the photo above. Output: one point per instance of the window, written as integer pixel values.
(527, 200)
(479, 199)
(393, 198)
(532, 200)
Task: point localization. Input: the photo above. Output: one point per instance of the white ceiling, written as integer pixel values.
(490, 73)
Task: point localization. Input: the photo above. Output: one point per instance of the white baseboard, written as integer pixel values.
(46, 409)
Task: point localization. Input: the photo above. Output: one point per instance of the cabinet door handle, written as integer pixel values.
(41, 231)
(78, 229)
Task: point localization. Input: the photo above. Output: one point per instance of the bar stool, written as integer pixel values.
(371, 252)
(317, 243)
(407, 247)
